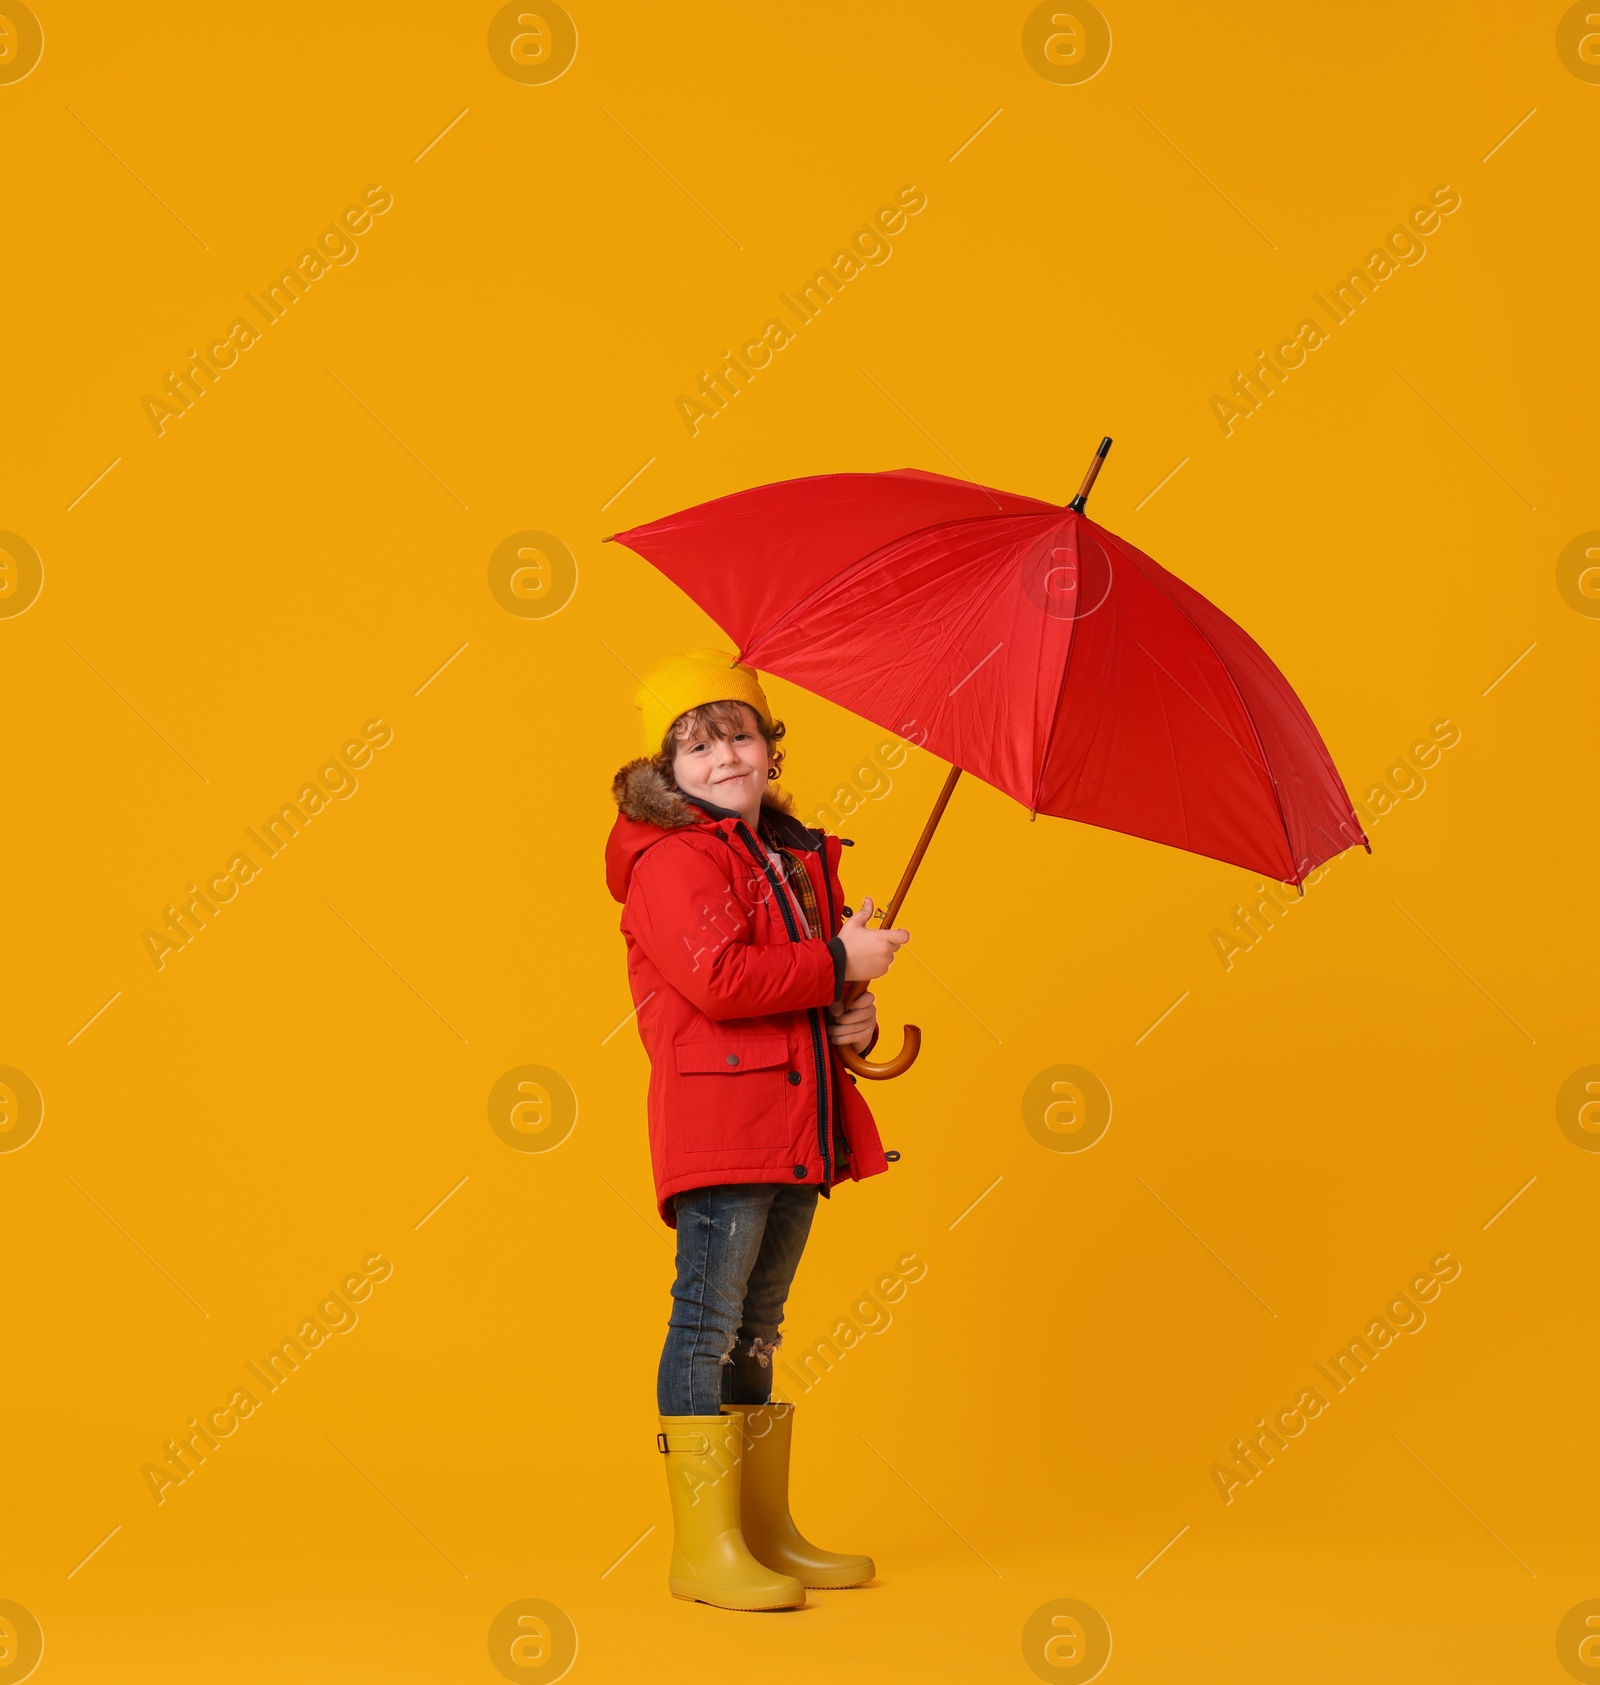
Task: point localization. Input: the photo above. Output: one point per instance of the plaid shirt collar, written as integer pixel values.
(799, 880)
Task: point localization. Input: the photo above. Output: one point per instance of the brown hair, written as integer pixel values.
(719, 720)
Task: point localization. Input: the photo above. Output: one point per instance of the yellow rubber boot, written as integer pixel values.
(769, 1529)
(710, 1563)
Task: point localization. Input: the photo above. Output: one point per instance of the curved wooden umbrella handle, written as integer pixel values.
(902, 1061)
(911, 1046)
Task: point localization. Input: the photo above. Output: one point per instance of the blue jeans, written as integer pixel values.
(738, 1248)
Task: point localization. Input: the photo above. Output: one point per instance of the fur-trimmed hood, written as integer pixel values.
(650, 806)
(642, 791)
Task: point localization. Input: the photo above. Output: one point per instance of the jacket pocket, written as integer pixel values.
(731, 1094)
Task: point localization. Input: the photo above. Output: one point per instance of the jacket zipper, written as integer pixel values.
(818, 1058)
(827, 890)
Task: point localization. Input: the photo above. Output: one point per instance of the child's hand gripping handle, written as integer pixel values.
(869, 954)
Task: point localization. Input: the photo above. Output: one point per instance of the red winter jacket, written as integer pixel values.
(730, 990)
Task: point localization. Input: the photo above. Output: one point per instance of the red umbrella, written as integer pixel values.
(1023, 643)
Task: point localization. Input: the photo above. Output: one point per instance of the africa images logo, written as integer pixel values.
(186, 918)
(1403, 1314)
(870, 247)
(1403, 247)
(185, 1453)
(334, 247)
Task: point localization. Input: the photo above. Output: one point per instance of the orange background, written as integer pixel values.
(300, 552)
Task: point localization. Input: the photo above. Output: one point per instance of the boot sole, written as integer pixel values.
(824, 1579)
(738, 1608)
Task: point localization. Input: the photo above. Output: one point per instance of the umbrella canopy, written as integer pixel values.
(1025, 644)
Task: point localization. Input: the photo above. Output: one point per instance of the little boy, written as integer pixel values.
(738, 956)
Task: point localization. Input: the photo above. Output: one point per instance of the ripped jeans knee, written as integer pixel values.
(747, 1371)
(756, 1349)
(762, 1352)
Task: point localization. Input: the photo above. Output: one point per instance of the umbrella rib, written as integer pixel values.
(1061, 691)
(1177, 769)
(1255, 732)
(1207, 712)
(1283, 823)
(1055, 716)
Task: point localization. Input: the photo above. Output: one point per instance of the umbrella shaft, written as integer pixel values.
(891, 912)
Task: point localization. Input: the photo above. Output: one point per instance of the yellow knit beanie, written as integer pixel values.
(690, 680)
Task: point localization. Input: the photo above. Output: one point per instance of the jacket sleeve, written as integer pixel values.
(684, 914)
(840, 959)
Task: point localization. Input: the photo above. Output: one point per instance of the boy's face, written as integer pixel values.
(728, 771)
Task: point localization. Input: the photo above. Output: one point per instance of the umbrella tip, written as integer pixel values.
(1088, 479)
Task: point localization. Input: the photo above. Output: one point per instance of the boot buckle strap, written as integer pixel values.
(695, 1444)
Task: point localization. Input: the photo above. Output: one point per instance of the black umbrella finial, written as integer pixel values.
(1089, 478)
